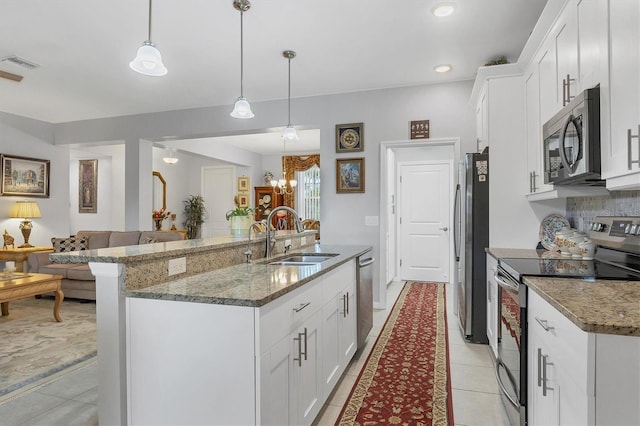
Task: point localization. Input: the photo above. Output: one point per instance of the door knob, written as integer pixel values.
(444, 229)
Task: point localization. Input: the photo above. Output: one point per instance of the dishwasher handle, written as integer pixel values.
(366, 262)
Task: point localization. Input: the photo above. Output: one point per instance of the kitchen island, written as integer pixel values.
(247, 343)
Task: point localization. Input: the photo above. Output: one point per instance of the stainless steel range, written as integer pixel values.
(617, 258)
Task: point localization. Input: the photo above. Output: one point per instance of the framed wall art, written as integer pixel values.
(243, 184)
(349, 175)
(88, 186)
(243, 199)
(349, 137)
(419, 129)
(24, 176)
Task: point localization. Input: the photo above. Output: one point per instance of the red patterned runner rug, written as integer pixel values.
(406, 380)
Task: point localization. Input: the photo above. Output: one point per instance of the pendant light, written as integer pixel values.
(289, 133)
(241, 109)
(148, 60)
(170, 157)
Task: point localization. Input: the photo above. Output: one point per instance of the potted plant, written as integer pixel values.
(194, 211)
(240, 219)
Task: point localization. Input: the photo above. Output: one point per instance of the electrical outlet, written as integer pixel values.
(177, 266)
(303, 241)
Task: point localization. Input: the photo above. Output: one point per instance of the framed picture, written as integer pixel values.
(243, 200)
(349, 175)
(349, 137)
(24, 177)
(88, 186)
(419, 129)
(243, 183)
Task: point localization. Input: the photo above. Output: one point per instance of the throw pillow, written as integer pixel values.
(68, 244)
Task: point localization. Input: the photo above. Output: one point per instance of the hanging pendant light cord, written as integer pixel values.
(289, 124)
(149, 21)
(241, 55)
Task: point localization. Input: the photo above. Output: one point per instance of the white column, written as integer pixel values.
(111, 343)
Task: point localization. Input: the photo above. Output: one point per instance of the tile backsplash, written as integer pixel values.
(582, 210)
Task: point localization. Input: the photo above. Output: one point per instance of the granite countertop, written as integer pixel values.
(513, 253)
(599, 306)
(142, 252)
(249, 284)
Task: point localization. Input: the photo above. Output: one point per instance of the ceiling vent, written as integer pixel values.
(20, 62)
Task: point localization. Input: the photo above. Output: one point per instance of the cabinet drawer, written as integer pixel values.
(337, 280)
(572, 347)
(280, 317)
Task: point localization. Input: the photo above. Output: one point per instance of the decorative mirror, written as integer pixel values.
(159, 192)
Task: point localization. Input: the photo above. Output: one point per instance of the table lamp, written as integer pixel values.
(26, 210)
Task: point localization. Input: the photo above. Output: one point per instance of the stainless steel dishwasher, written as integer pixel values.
(364, 296)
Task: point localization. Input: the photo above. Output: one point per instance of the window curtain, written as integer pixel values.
(292, 164)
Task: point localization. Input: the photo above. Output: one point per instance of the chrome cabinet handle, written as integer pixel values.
(299, 358)
(539, 367)
(545, 388)
(305, 344)
(630, 160)
(344, 305)
(532, 182)
(566, 90)
(302, 306)
(300, 351)
(544, 324)
(347, 303)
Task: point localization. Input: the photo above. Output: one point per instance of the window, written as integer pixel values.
(308, 193)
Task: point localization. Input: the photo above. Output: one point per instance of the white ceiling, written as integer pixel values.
(84, 48)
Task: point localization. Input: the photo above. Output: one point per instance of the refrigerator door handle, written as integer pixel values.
(456, 231)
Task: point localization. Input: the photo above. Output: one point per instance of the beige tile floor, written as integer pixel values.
(72, 399)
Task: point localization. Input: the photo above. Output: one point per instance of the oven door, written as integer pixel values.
(511, 351)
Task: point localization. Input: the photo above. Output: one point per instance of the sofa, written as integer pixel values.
(78, 282)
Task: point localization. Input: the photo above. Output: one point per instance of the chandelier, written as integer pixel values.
(282, 186)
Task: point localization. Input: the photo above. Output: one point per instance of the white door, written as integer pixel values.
(424, 191)
(218, 185)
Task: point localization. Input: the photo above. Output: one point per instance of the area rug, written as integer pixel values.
(35, 349)
(406, 379)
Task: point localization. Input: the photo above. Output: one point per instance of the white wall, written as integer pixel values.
(24, 137)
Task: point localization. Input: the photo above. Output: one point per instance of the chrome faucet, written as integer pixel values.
(249, 253)
(271, 240)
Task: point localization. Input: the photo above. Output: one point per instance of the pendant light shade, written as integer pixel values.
(170, 157)
(148, 60)
(242, 109)
(289, 133)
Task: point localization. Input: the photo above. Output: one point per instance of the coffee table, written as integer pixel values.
(21, 285)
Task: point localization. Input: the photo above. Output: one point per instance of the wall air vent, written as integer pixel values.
(21, 62)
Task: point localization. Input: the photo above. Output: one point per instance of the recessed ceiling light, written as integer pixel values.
(442, 68)
(443, 9)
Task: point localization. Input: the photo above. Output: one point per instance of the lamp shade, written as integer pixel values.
(25, 209)
(242, 109)
(148, 61)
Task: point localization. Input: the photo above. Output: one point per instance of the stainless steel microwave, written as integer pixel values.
(571, 142)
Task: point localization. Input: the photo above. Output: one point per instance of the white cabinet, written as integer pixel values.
(575, 377)
(621, 94)
(339, 323)
(482, 121)
(493, 305)
(565, 39)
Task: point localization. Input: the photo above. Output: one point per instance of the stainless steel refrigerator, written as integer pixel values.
(471, 237)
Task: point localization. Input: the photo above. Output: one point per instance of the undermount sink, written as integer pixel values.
(304, 259)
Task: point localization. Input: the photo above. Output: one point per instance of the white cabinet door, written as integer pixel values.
(592, 26)
(348, 325)
(548, 84)
(492, 305)
(277, 385)
(566, 44)
(482, 120)
(624, 97)
(307, 370)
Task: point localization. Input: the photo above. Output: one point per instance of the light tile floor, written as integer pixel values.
(72, 399)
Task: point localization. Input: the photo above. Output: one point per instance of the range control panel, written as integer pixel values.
(617, 232)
